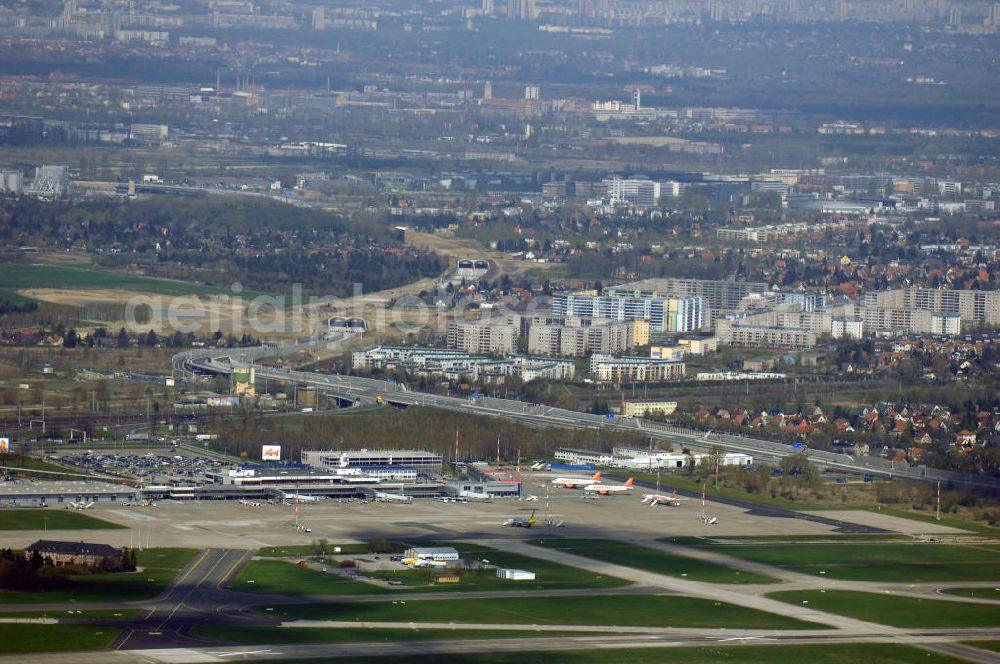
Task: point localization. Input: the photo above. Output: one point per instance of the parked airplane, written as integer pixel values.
(575, 482)
(659, 499)
(392, 497)
(541, 465)
(80, 505)
(605, 489)
(521, 521)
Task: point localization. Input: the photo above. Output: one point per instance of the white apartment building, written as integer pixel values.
(605, 368)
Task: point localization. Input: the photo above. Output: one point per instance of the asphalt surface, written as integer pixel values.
(839, 526)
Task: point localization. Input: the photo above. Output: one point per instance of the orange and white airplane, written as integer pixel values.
(577, 482)
(605, 489)
(659, 499)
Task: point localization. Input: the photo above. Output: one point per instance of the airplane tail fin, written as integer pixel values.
(597, 476)
(628, 484)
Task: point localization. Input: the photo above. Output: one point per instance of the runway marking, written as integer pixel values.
(243, 652)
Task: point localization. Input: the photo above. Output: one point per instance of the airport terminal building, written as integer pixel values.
(421, 461)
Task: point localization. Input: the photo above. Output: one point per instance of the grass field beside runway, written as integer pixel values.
(50, 519)
(850, 653)
(297, 635)
(632, 610)
(894, 610)
(71, 614)
(978, 593)
(157, 568)
(282, 577)
(18, 638)
(652, 560)
(888, 563)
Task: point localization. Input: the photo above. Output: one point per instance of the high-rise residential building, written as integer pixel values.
(532, 92)
(663, 314)
(719, 297)
(576, 337)
(974, 307)
(484, 338)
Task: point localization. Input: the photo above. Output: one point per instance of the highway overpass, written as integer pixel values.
(365, 390)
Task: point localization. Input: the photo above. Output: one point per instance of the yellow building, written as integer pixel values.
(640, 332)
(643, 408)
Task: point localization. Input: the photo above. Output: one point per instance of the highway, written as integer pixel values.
(363, 391)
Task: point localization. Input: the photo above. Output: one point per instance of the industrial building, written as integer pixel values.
(11, 182)
(418, 460)
(515, 574)
(50, 182)
(639, 459)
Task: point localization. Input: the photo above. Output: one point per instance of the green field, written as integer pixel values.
(825, 654)
(652, 560)
(37, 275)
(31, 463)
(979, 593)
(51, 519)
(294, 635)
(283, 578)
(889, 563)
(279, 577)
(636, 610)
(21, 638)
(895, 610)
(157, 568)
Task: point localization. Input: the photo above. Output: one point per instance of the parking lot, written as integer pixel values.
(157, 466)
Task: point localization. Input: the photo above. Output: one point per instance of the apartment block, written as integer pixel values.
(483, 338)
(605, 368)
